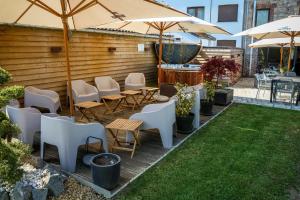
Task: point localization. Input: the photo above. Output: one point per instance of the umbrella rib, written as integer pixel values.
(167, 7)
(45, 7)
(153, 25)
(79, 4)
(25, 11)
(171, 25)
(124, 25)
(181, 28)
(86, 6)
(72, 15)
(148, 29)
(113, 13)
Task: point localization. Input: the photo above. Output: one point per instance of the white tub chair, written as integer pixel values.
(42, 98)
(83, 91)
(107, 86)
(135, 81)
(67, 136)
(27, 119)
(161, 117)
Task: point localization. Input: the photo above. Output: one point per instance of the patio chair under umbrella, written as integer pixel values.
(169, 24)
(276, 42)
(288, 27)
(76, 14)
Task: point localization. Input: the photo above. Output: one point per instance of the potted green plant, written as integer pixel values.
(214, 69)
(184, 105)
(208, 102)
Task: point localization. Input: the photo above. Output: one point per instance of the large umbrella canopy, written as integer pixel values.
(287, 27)
(159, 25)
(79, 14)
(276, 42)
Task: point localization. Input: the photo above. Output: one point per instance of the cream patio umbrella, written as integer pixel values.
(159, 25)
(284, 28)
(77, 14)
(276, 42)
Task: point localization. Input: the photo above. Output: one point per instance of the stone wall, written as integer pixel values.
(278, 9)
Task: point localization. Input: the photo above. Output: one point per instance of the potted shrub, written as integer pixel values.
(106, 170)
(184, 105)
(208, 102)
(12, 152)
(214, 69)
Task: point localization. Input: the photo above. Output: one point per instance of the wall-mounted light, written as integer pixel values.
(147, 48)
(112, 49)
(55, 49)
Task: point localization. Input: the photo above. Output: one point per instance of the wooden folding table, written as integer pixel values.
(113, 98)
(88, 107)
(131, 94)
(125, 125)
(150, 92)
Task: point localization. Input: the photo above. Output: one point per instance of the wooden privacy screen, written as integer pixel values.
(26, 53)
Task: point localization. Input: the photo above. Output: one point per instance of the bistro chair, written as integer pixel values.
(107, 86)
(83, 91)
(287, 87)
(263, 83)
(135, 81)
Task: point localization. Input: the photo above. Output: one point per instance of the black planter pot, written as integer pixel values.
(206, 107)
(223, 97)
(106, 170)
(185, 124)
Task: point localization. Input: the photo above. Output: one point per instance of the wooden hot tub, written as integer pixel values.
(177, 73)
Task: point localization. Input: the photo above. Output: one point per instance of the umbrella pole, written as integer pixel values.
(291, 49)
(160, 55)
(66, 44)
(281, 56)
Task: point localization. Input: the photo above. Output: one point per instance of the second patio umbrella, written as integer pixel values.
(288, 27)
(78, 14)
(276, 42)
(169, 24)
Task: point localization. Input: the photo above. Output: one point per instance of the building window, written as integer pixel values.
(262, 16)
(196, 12)
(226, 43)
(228, 13)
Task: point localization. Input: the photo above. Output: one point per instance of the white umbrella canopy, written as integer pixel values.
(159, 25)
(76, 14)
(287, 27)
(80, 13)
(168, 24)
(275, 42)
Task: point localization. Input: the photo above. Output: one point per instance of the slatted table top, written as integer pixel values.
(113, 97)
(88, 104)
(125, 124)
(150, 88)
(130, 92)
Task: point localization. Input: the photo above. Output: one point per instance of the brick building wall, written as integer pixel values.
(278, 9)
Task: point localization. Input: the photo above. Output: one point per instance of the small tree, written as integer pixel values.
(216, 67)
(13, 153)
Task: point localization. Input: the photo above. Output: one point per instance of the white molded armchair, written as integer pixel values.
(135, 81)
(27, 119)
(83, 91)
(161, 117)
(67, 136)
(107, 86)
(42, 98)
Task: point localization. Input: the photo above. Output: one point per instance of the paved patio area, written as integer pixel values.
(245, 92)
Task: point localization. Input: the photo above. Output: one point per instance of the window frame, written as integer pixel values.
(226, 5)
(235, 43)
(262, 9)
(196, 10)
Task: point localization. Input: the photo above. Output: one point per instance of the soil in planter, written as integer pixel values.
(105, 160)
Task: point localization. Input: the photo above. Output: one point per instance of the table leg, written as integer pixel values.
(144, 98)
(136, 103)
(114, 137)
(83, 114)
(118, 104)
(108, 109)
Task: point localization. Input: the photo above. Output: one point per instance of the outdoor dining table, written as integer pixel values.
(296, 81)
(119, 99)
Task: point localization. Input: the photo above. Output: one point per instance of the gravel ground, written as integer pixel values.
(76, 191)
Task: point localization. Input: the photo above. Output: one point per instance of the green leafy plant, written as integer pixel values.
(185, 100)
(12, 152)
(210, 90)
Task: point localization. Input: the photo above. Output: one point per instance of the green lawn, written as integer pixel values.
(248, 152)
